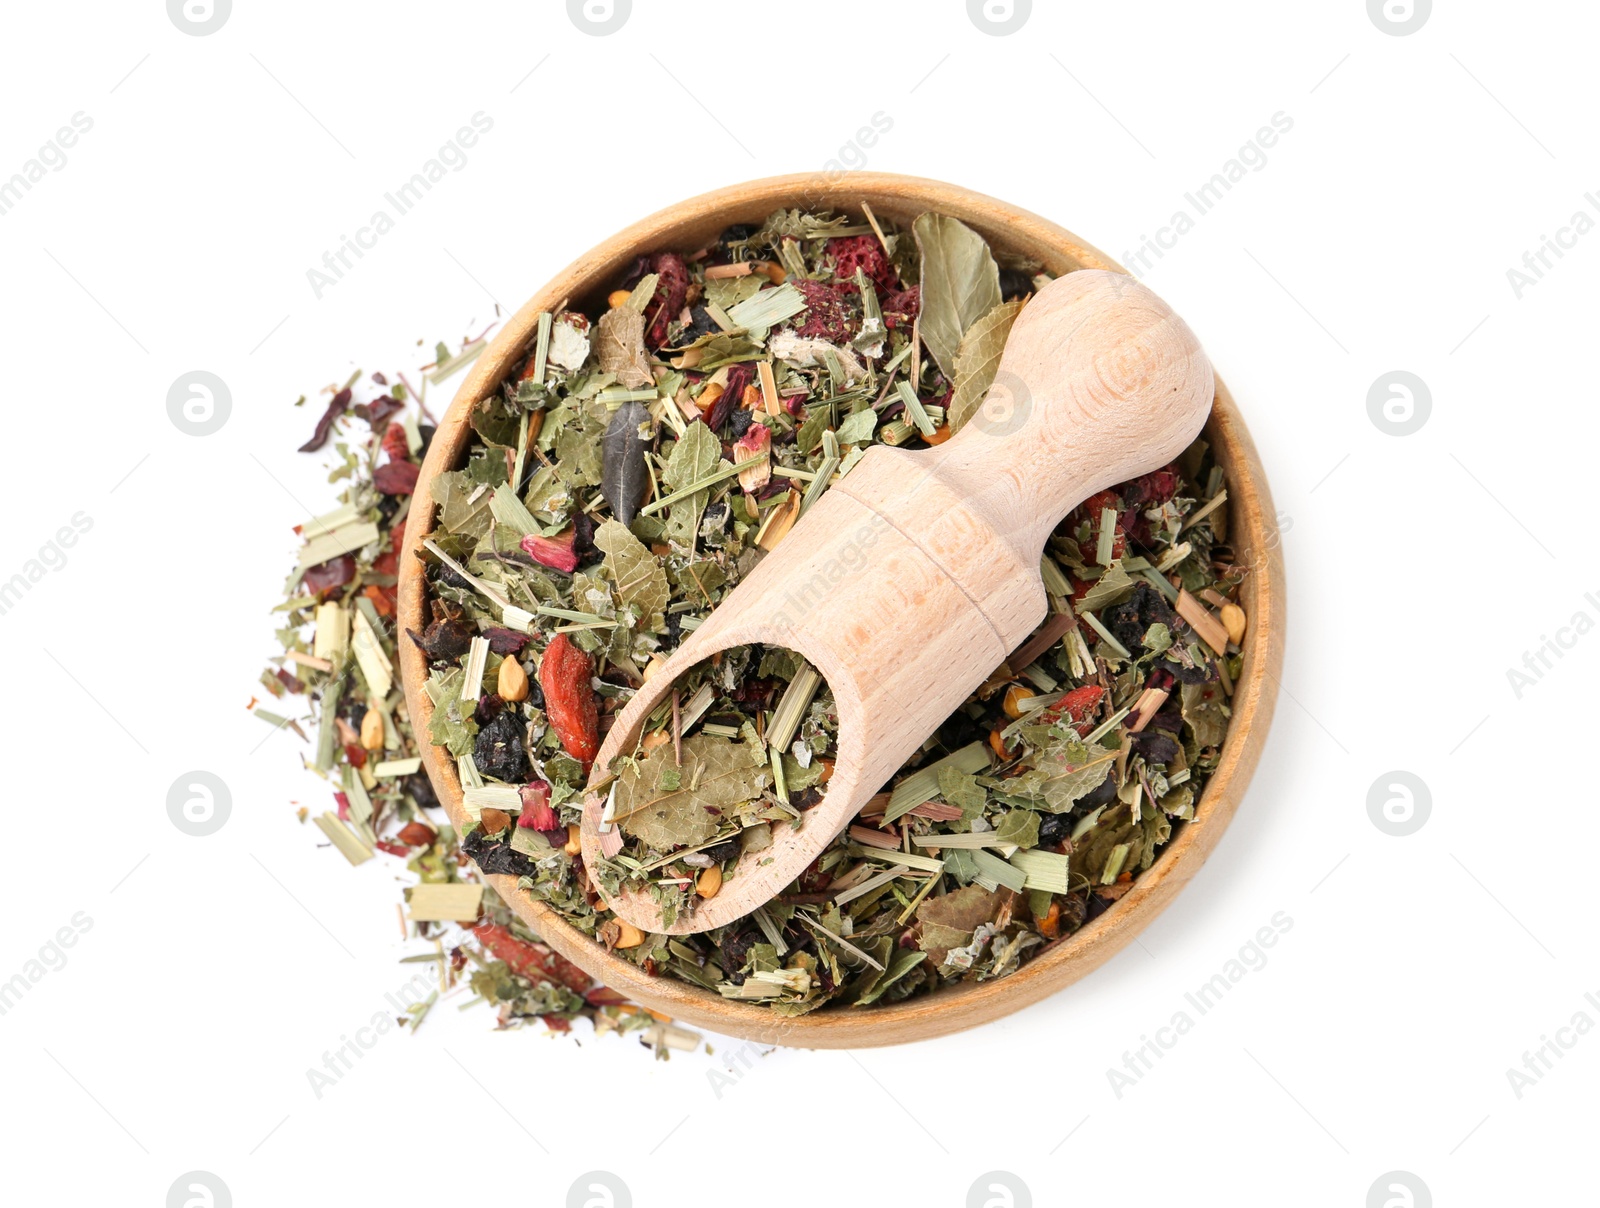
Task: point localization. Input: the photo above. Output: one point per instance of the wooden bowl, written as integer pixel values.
(1253, 533)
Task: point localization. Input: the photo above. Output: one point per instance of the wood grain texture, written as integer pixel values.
(1252, 532)
(911, 580)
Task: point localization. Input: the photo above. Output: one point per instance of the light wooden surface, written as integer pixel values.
(1252, 532)
(910, 581)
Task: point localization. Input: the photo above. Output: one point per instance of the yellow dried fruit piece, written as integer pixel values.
(512, 682)
(1233, 620)
(628, 936)
(372, 730)
(617, 297)
(709, 882)
(655, 664)
(1015, 696)
(574, 843)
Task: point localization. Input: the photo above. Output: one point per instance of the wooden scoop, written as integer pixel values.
(914, 576)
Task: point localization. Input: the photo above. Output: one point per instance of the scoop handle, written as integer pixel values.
(918, 572)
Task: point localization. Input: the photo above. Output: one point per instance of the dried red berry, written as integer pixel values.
(417, 834)
(570, 704)
(866, 253)
(1078, 707)
(395, 443)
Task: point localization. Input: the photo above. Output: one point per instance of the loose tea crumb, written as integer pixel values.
(613, 496)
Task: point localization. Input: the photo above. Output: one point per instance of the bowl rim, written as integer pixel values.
(1252, 532)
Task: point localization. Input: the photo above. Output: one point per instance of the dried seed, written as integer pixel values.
(1233, 620)
(372, 730)
(709, 882)
(511, 684)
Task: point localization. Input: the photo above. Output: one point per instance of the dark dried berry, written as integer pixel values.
(1155, 746)
(498, 750)
(732, 396)
(735, 950)
(1129, 620)
(488, 708)
(421, 790)
(1053, 828)
(1096, 797)
(700, 324)
(723, 852)
(447, 639)
(739, 424)
(1014, 284)
(583, 530)
(496, 857)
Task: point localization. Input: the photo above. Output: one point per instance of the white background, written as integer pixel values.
(178, 235)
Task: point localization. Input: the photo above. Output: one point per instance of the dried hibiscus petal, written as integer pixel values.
(829, 313)
(325, 577)
(396, 478)
(753, 447)
(555, 552)
(336, 408)
(672, 287)
(537, 812)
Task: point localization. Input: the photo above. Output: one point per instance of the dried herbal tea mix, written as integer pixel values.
(641, 460)
(337, 669)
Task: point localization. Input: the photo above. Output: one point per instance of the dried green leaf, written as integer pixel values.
(960, 284)
(1113, 587)
(977, 359)
(961, 789)
(697, 453)
(1019, 827)
(637, 575)
(716, 774)
(949, 921)
(619, 340)
(1062, 774)
(857, 427)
